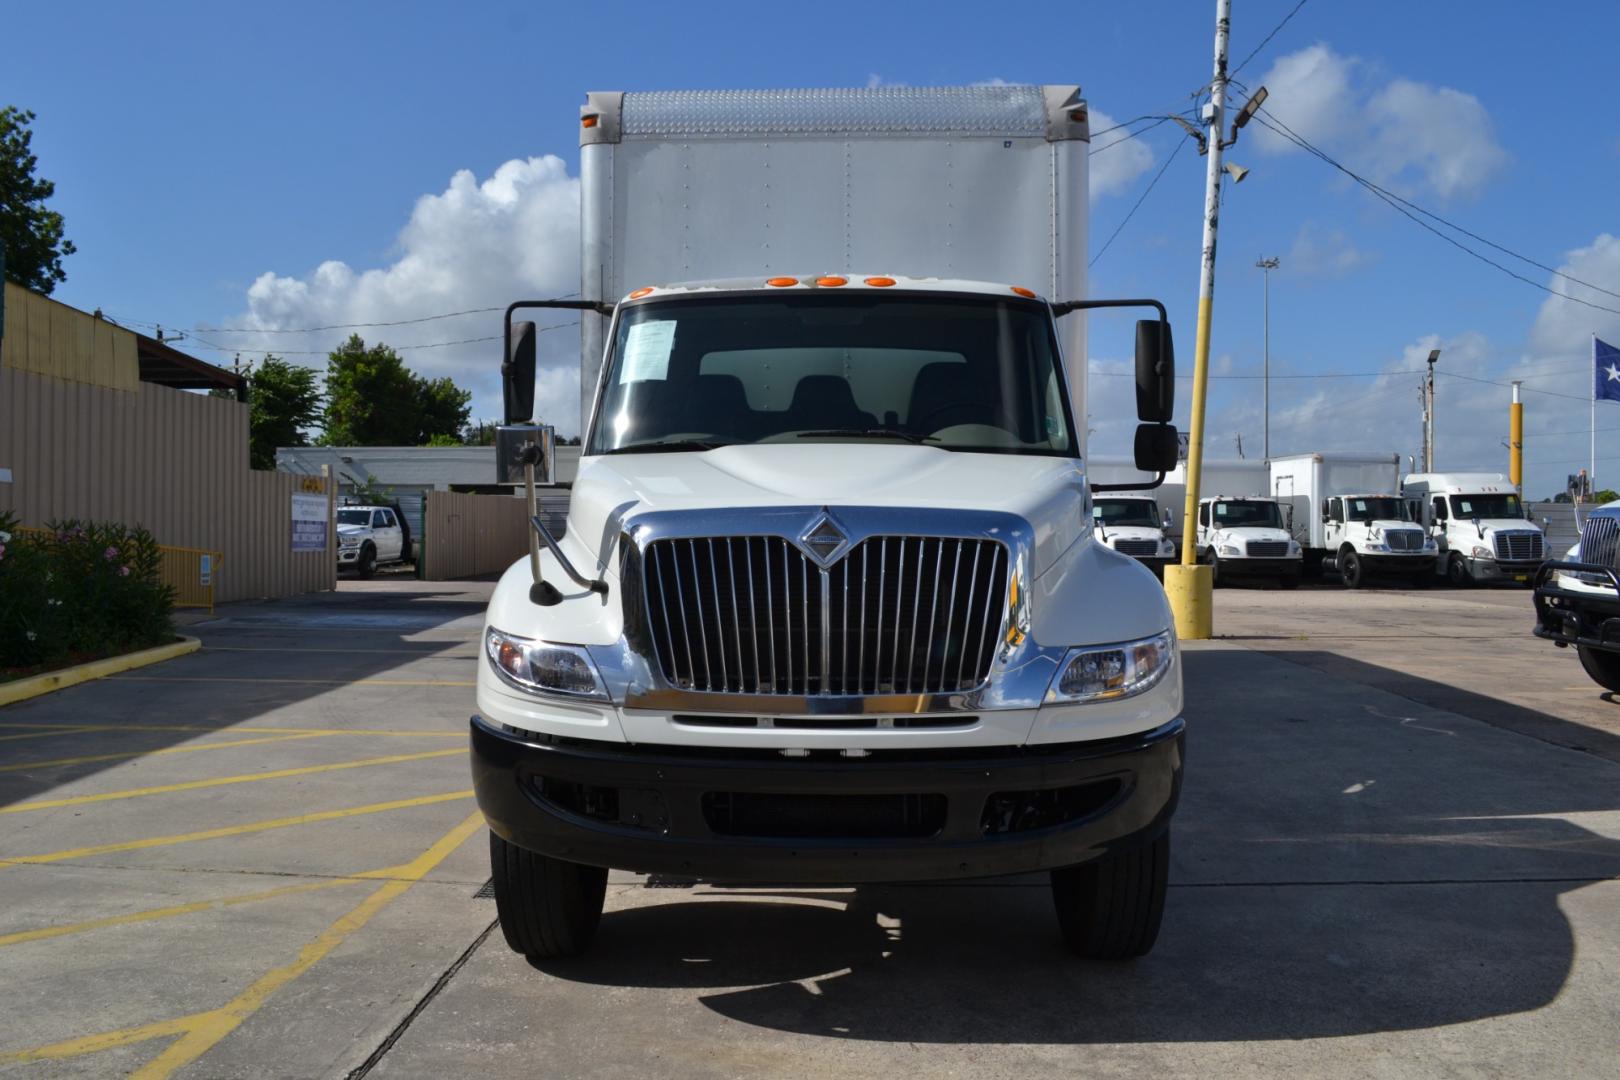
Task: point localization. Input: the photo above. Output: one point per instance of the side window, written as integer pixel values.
(1439, 508)
(388, 519)
(1336, 509)
(379, 519)
(1203, 514)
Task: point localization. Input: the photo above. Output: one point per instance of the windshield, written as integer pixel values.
(354, 517)
(1486, 506)
(1257, 514)
(1108, 512)
(956, 372)
(1381, 508)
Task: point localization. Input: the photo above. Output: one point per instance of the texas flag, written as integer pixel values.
(1606, 364)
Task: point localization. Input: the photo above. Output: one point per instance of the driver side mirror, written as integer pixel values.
(1156, 448)
(1155, 373)
(517, 375)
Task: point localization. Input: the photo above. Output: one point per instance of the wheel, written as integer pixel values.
(1214, 570)
(1351, 571)
(1110, 909)
(368, 561)
(547, 907)
(1604, 667)
(1457, 571)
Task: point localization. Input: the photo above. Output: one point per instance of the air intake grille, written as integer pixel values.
(1519, 546)
(1404, 540)
(1267, 549)
(1137, 548)
(755, 615)
(1600, 537)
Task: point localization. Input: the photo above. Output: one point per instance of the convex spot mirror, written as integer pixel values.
(519, 444)
(1155, 373)
(1156, 448)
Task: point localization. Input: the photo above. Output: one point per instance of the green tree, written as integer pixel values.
(283, 401)
(373, 399)
(30, 235)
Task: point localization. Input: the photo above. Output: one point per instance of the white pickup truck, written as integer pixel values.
(830, 605)
(369, 537)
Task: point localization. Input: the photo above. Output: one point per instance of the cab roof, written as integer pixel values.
(798, 283)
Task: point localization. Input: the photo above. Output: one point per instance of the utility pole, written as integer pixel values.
(1267, 265)
(1428, 413)
(1190, 587)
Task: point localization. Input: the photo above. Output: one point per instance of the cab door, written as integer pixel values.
(388, 535)
(1332, 524)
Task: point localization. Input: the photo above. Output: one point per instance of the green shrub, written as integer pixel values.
(79, 590)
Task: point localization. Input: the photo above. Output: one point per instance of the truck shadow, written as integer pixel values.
(1337, 871)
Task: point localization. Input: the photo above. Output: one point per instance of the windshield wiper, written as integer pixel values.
(670, 447)
(876, 432)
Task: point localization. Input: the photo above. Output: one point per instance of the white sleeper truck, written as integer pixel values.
(1479, 524)
(1349, 516)
(831, 606)
(1246, 537)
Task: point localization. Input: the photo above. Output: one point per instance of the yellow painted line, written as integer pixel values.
(221, 781)
(76, 730)
(55, 762)
(199, 1032)
(68, 729)
(35, 685)
(297, 682)
(230, 830)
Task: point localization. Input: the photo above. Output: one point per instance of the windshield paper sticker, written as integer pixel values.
(646, 351)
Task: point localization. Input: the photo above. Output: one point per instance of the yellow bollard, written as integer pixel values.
(1191, 591)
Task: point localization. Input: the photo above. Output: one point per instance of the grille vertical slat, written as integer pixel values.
(908, 638)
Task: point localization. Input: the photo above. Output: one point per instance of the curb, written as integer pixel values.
(35, 685)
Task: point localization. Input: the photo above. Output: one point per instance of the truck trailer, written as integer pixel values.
(830, 606)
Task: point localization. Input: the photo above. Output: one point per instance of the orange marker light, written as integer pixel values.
(831, 282)
(880, 282)
(639, 293)
(781, 282)
(1021, 291)
(587, 121)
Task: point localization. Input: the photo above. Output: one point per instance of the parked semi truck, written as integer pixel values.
(830, 605)
(1577, 598)
(1479, 525)
(1128, 517)
(1348, 514)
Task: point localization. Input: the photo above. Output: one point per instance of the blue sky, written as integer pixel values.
(198, 148)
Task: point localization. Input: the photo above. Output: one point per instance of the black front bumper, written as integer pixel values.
(1398, 564)
(760, 817)
(1569, 617)
(1260, 566)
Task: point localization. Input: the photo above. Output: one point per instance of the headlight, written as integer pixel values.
(1230, 549)
(541, 667)
(1483, 553)
(1377, 547)
(1293, 547)
(1429, 544)
(1167, 547)
(1111, 672)
(348, 541)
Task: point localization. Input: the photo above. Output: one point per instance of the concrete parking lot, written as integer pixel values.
(1398, 853)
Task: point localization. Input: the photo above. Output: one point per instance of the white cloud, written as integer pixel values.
(474, 245)
(1116, 159)
(1563, 328)
(1399, 132)
(1319, 252)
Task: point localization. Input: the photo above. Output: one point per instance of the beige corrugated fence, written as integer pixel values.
(173, 461)
(471, 535)
(49, 338)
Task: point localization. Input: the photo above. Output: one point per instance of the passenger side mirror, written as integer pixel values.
(1155, 374)
(1155, 448)
(517, 375)
(1169, 518)
(518, 445)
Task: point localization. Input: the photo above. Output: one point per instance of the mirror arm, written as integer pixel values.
(1064, 307)
(1157, 481)
(595, 585)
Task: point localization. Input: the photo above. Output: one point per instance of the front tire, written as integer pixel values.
(547, 907)
(1351, 572)
(368, 562)
(1110, 908)
(1604, 667)
(1214, 571)
(1457, 571)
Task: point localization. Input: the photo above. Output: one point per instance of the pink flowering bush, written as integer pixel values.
(79, 590)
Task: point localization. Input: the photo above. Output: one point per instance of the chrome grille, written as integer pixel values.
(1266, 549)
(1404, 539)
(755, 615)
(1600, 537)
(1518, 546)
(1137, 548)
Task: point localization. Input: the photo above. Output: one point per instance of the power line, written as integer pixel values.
(203, 343)
(1267, 39)
(1127, 138)
(346, 326)
(1143, 198)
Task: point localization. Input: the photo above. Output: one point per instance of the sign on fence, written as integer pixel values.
(205, 570)
(308, 522)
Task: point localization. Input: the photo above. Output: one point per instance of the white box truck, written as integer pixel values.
(1230, 476)
(1246, 537)
(1127, 515)
(1346, 510)
(830, 606)
(1480, 525)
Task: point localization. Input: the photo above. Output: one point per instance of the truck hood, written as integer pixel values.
(610, 492)
(1129, 532)
(354, 530)
(1244, 533)
(1465, 526)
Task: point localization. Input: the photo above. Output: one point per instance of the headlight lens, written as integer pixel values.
(1293, 547)
(348, 541)
(1429, 544)
(541, 667)
(1484, 553)
(1111, 672)
(1167, 547)
(1377, 547)
(1230, 549)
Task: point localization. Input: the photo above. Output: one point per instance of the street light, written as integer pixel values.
(1267, 265)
